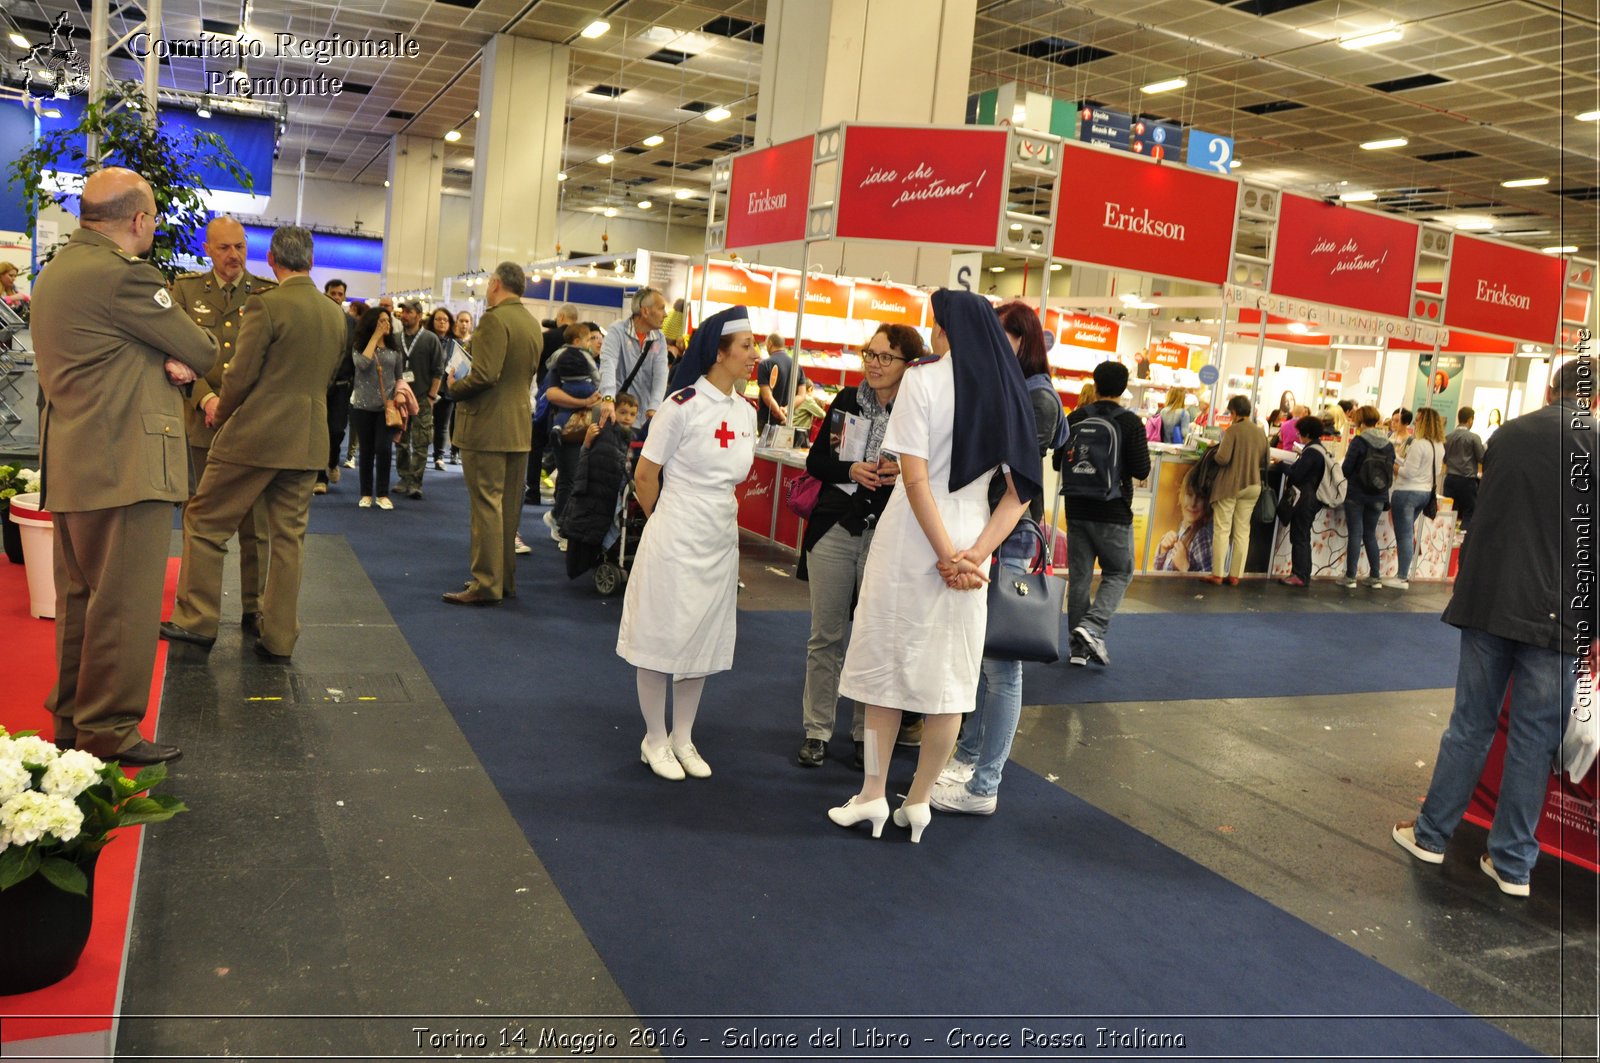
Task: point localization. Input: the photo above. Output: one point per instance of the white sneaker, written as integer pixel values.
(365, 503)
(1375, 584)
(1402, 584)
(954, 797)
(692, 762)
(1512, 889)
(522, 547)
(549, 519)
(661, 761)
(957, 772)
(1348, 581)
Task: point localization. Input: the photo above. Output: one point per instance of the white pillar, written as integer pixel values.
(522, 99)
(411, 222)
(903, 62)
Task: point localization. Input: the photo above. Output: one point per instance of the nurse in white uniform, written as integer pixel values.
(919, 623)
(679, 611)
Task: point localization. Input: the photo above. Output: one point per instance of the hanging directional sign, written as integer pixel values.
(1209, 151)
(1099, 126)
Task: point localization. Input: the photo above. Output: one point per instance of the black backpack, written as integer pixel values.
(1204, 474)
(1375, 473)
(1091, 461)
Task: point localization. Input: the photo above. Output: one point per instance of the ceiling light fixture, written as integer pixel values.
(1475, 224)
(597, 28)
(19, 40)
(1016, 226)
(202, 111)
(683, 193)
(607, 159)
(1371, 40)
(1299, 328)
(1357, 197)
(1055, 267)
(1589, 116)
(1165, 86)
(1234, 164)
(1390, 142)
(718, 114)
(453, 136)
(475, 114)
(386, 184)
(997, 269)
(611, 212)
(1565, 249)
(1525, 182)
(561, 176)
(51, 112)
(654, 141)
(645, 204)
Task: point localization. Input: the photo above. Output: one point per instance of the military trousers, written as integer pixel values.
(110, 566)
(411, 457)
(494, 493)
(252, 542)
(225, 495)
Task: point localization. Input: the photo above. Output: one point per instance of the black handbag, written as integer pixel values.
(1431, 510)
(1025, 608)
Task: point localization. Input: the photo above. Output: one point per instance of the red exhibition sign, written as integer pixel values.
(1085, 330)
(768, 195)
(926, 186)
(1126, 212)
(825, 297)
(734, 285)
(886, 304)
(1504, 291)
(1341, 256)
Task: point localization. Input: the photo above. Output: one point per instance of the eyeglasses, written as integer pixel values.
(886, 358)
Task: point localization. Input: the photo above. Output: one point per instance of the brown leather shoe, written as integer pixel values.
(1215, 581)
(468, 598)
(1233, 581)
(144, 753)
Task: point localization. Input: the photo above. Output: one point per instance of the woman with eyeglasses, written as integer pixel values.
(444, 411)
(834, 550)
(920, 621)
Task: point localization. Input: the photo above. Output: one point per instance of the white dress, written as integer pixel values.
(916, 644)
(678, 614)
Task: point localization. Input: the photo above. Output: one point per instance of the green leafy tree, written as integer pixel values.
(169, 158)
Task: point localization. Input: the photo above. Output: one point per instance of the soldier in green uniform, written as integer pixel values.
(215, 301)
(112, 350)
(271, 421)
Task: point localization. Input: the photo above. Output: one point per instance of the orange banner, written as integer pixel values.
(1164, 352)
(1084, 330)
(825, 296)
(735, 285)
(886, 304)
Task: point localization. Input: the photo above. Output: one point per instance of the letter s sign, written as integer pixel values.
(964, 277)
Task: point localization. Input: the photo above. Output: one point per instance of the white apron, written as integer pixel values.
(681, 605)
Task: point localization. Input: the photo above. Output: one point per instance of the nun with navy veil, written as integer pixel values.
(917, 642)
(679, 611)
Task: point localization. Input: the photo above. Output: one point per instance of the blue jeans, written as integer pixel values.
(987, 731)
(1113, 545)
(1542, 686)
(1361, 527)
(1406, 505)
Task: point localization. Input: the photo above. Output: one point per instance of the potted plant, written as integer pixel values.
(57, 811)
(14, 480)
(170, 158)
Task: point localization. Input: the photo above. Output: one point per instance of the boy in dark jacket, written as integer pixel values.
(602, 470)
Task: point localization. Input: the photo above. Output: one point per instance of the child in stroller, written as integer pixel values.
(596, 522)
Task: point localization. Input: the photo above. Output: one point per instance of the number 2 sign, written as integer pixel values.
(1208, 151)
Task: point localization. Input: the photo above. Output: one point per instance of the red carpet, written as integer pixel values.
(85, 1000)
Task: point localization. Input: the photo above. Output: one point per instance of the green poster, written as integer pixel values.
(1439, 386)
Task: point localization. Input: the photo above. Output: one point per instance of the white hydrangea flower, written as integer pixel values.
(73, 772)
(29, 816)
(34, 751)
(14, 778)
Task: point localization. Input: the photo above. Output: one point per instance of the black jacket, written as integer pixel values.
(602, 470)
(854, 512)
(1528, 564)
(1305, 476)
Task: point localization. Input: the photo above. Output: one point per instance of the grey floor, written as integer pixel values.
(313, 905)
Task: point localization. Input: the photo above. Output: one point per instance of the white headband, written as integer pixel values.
(734, 324)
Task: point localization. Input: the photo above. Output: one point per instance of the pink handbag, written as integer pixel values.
(804, 490)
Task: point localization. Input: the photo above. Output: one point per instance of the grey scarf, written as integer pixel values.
(878, 413)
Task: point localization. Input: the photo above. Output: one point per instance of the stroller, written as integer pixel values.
(603, 532)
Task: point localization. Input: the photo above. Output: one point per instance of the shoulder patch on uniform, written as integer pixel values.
(683, 396)
(163, 299)
(189, 276)
(930, 360)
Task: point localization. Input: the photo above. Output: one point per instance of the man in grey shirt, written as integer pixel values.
(1463, 455)
(423, 361)
(635, 337)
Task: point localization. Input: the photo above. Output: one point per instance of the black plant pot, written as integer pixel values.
(43, 931)
(13, 536)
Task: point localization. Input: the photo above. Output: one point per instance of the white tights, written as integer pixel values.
(653, 704)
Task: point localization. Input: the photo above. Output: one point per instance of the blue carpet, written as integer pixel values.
(736, 897)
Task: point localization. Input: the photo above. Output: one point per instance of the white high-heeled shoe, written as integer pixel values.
(661, 761)
(917, 817)
(851, 812)
(692, 762)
